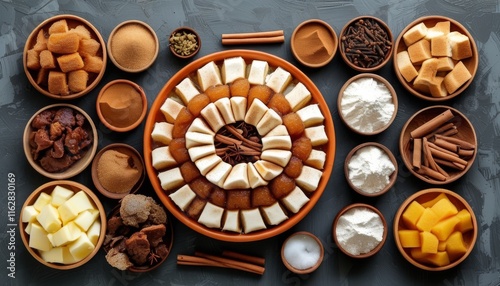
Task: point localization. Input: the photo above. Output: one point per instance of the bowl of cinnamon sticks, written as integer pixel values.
(438, 144)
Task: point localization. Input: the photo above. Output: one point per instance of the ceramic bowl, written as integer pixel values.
(87, 153)
(128, 52)
(184, 30)
(39, 81)
(356, 58)
(136, 161)
(343, 116)
(392, 177)
(155, 116)
(314, 31)
(470, 63)
(469, 237)
(377, 248)
(306, 241)
(118, 125)
(48, 188)
(465, 133)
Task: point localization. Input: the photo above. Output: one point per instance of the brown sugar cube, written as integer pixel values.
(77, 80)
(63, 43)
(440, 47)
(83, 32)
(414, 34)
(441, 28)
(41, 42)
(57, 83)
(89, 47)
(457, 77)
(93, 64)
(47, 60)
(437, 88)
(445, 64)
(406, 68)
(33, 59)
(427, 72)
(460, 46)
(42, 77)
(70, 62)
(423, 88)
(420, 51)
(60, 26)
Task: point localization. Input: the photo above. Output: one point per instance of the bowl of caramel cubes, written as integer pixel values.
(435, 229)
(64, 57)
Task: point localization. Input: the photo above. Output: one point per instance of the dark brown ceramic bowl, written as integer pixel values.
(427, 195)
(305, 235)
(72, 21)
(349, 56)
(136, 161)
(392, 177)
(48, 188)
(184, 30)
(350, 207)
(470, 63)
(77, 167)
(314, 31)
(466, 133)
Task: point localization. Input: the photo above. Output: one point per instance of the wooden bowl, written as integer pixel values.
(119, 87)
(470, 63)
(155, 115)
(73, 21)
(305, 242)
(377, 248)
(325, 37)
(188, 31)
(48, 188)
(392, 177)
(137, 162)
(344, 115)
(77, 167)
(426, 195)
(350, 56)
(465, 132)
(130, 51)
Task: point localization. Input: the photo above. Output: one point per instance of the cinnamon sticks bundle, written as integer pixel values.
(268, 37)
(435, 149)
(229, 259)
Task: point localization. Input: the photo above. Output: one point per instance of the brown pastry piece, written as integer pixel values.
(155, 233)
(138, 248)
(118, 259)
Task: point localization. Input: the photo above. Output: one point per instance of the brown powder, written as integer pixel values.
(121, 105)
(117, 171)
(133, 46)
(314, 43)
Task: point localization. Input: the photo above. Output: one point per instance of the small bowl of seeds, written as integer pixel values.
(184, 42)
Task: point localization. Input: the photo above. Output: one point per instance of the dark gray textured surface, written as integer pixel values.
(480, 102)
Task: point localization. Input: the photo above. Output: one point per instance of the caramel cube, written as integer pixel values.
(63, 43)
(77, 80)
(465, 223)
(440, 258)
(41, 42)
(412, 214)
(33, 59)
(444, 228)
(57, 83)
(429, 242)
(42, 77)
(82, 32)
(47, 60)
(409, 238)
(437, 88)
(427, 72)
(89, 47)
(444, 208)
(420, 51)
(427, 220)
(455, 245)
(430, 203)
(93, 64)
(440, 47)
(60, 26)
(457, 77)
(70, 62)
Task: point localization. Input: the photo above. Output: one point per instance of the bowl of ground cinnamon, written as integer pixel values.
(314, 43)
(121, 105)
(133, 46)
(118, 170)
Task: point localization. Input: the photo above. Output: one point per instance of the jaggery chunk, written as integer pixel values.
(63, 43)
(154, 233)
(293, 124)
(294, 167)
(33, 59)
(77, 80)
(60, 26)
(202, 187)
(301, 148)
(57, 83)
(280, 104)
(197, 103)
(262, 197)
(182, 123)
(218, 197)
(281, 186)
(41, 42)
(89, 47)
(195, 208)
(238, 200)
(240, 87)
(217, 92)
(189, 171)
(42, 77)
(93, 64)
(70, 62)
(262, 92)
(138, 248)
(178, 150)
(81, 31)
(47, 60)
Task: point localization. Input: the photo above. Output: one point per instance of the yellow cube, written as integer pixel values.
(465, 223)
(444, 208)
(66, 234)
(440, 258)
(60, 195)
(29, 214)
(54, 255)
(86, 218)
(38, 238)
(429, 242)
(94, 232)
(442, 246)
(67, 256)
(409, 238)
(427, 220)
(430, 203)
(412, 214)
(81, 248)
(444, 228)
(49, 218)
(455, 245)
(41, 201)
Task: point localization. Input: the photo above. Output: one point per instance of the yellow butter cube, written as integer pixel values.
(94, 232)
(66, 234)
(49, 218)
(67, 212)
(440, 258)
(412, 214)
(409, 238)
(50, 236)
(38, 238)
(430, 203)
(417, 254)
(27, 229)
(444, 208)
(86, 218)
(429, 242)
(29, 214)
(442, 246)
(80, 202)
(68, 257)
(42, 200)
(55, 255)
(465, 223)
(60, 195)
(444, 228)
(427, 220)
(81, 248)
(455, 245)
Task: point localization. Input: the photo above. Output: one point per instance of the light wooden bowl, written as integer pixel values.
(187, 30)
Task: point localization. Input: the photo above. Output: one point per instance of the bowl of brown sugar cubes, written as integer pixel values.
(64, 57)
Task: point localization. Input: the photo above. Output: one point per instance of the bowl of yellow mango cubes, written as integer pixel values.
(435, 229)
(62, 224)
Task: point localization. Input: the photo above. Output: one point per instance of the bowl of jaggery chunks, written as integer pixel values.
(435, 229)
(64, 57)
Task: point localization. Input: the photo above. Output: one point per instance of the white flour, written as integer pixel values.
(370, 169)
(359, 230)
(367, 105)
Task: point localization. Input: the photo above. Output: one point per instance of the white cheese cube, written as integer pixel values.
(316, 159)
(274, 214)
(268, 122)
(311, 115)
(86, 218)
(171, 179)
(207, 163)
(252, 220)
(298, 97)
(233, 68)
(196, 139)
(186, 90)
(81, 248)
(49, 218)
(42, 200)
(94, 231)
(231, 220)
(68, 233)
(208, 75)
(162, 158)
(255, 112)
(213, 117)
(170, 109)
(317, 134)
(38, 238)
(224, 107)
(237, 178)
(276, 142)
(279, 80)
(309, 178)
(239, 107)
(276, 156)
(219, 173)
(295, 200)
(267, 170)
(199, 152)
(29, 214)
(60, 195)
(211, 216)
(183, 197)
(198, 125)
(258, 72)
(279, 130)
(162, 132)
(254, 178)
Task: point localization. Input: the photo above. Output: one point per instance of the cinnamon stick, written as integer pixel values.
(213, 261)
(249, 41)
(432, 145)
(465, 153)
(461, 143)
(417, 153)
(243, 257)
(450, 132)
(445, 156)
(275, 33)
(446, 145)
(442, 129)
(432, 124)
(426, 171)
(233, 263)
(449, 164)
